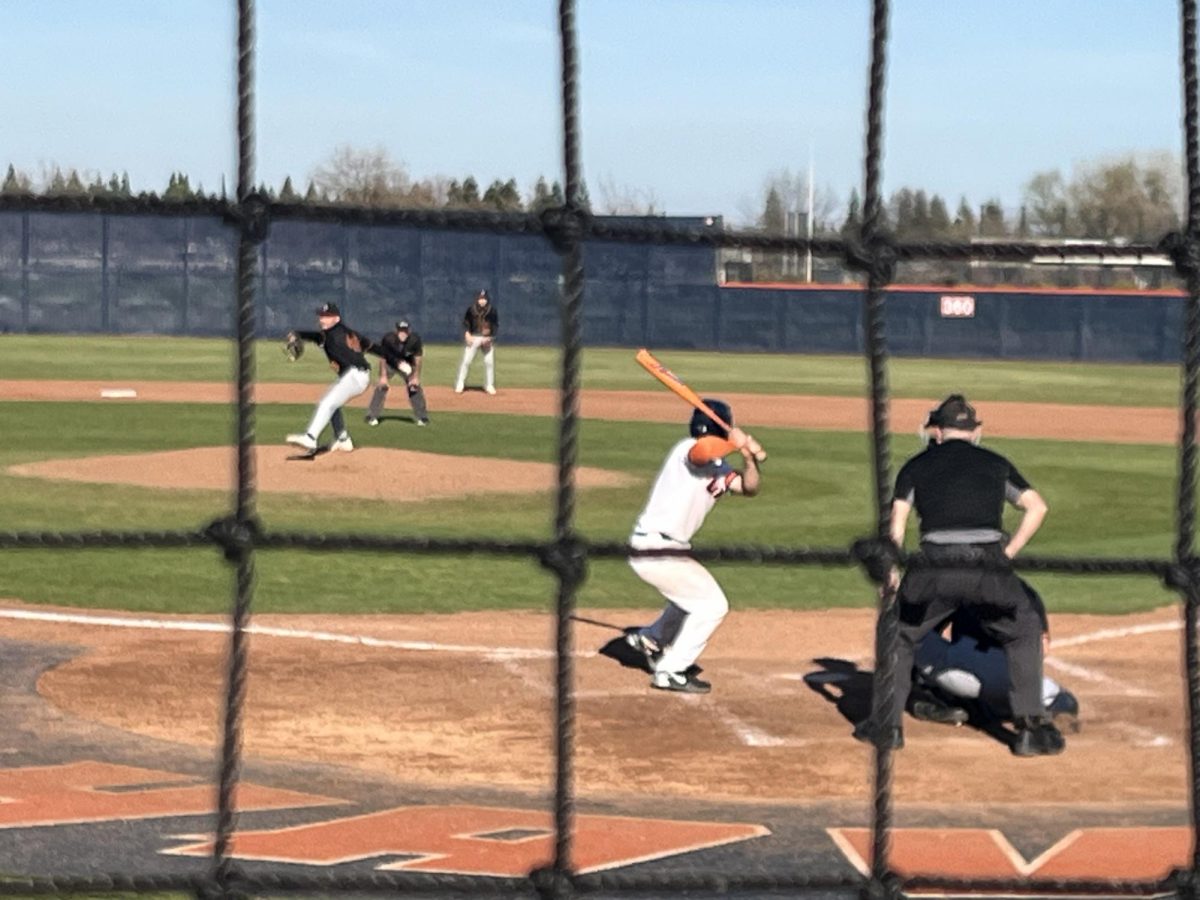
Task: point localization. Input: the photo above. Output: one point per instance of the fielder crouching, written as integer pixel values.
(400, 352)
(692, 478)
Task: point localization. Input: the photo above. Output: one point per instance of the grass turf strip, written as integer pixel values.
(132, 358)
(1105, 501)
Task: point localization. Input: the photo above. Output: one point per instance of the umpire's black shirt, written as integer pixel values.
(959, 491)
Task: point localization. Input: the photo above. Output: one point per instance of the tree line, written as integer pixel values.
(1132, 198)
(350, 176)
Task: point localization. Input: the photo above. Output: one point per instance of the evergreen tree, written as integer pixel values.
(470, 191)
(178, 188)
(964, 221)
(311, 195)
(58, 184)
(125, 191)
(1023, 224)
(939, 218)
(773, 219)
(902, 212)
(991, 220)
(287, 194)
(542, 198)
(921, 225)
(853, 221)
(16, 182)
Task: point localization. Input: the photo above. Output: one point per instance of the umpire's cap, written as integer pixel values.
(403, 325)
(702, 424)
(954, 412)
(328, 309)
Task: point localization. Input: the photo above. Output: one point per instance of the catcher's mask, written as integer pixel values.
(701, 424)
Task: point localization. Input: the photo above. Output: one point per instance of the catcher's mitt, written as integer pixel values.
(293, 347)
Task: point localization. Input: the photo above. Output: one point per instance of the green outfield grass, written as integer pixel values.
(194, 359)
(1105, 501)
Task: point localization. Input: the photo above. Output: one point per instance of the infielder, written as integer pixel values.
(344, 350)
(481, 324)
(400, 352)
(693, 477)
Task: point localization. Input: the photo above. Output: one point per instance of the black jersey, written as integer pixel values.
(335, 342)
(395, 351)
(482, 320)
(959, 489)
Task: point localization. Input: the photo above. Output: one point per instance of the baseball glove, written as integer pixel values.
(293, 347)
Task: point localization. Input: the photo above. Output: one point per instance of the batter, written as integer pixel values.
(693, 477)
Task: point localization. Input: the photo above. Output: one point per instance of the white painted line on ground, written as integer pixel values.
(1143, 737)
(1108, 634)
(497, 653)
(749, 735)
(118, 393)
(1121, 688)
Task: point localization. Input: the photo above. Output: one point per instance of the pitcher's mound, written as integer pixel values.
(371, 473)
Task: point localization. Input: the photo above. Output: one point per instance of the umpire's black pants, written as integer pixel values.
(939, 580)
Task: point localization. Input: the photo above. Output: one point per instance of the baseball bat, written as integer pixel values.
(585, 620)
(647, 361)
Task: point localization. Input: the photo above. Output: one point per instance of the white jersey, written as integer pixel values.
(682, 495)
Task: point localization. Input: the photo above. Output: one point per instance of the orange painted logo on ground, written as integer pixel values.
(100, 792)
(1132, 853)
(476, 840)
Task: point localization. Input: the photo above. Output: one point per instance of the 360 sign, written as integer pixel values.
(957, 306)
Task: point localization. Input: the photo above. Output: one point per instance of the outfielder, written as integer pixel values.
(693, 477)
(400, 351)
(481, 324)
(344, 350)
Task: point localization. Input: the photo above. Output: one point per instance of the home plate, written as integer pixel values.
(118, 393)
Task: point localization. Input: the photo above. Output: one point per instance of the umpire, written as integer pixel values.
(959, 490)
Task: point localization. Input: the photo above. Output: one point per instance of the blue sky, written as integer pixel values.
(692, 103)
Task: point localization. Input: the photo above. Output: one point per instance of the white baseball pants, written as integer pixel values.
(489, 362)
(687, 586)
(352, 383)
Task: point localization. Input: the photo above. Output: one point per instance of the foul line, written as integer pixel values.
(295, 634)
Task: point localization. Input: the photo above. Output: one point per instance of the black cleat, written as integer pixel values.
(1037, 737)
(938, 712)
(866, 732)
(684, 682)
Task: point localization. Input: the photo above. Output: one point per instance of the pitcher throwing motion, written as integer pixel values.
(693, 477)
(344, 350)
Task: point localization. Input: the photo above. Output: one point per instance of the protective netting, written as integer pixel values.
(873, 252)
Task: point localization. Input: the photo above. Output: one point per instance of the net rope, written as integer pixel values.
(873, 252)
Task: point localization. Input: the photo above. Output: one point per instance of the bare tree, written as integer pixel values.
(622, 200)
(363, 177)
(1130, 198)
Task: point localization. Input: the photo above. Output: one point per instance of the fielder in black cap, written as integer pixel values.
(958, 490)
(344, 349)
(481, 325)
(400, 352)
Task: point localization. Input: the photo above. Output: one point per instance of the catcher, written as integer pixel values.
(400, 351)
(344, 350)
